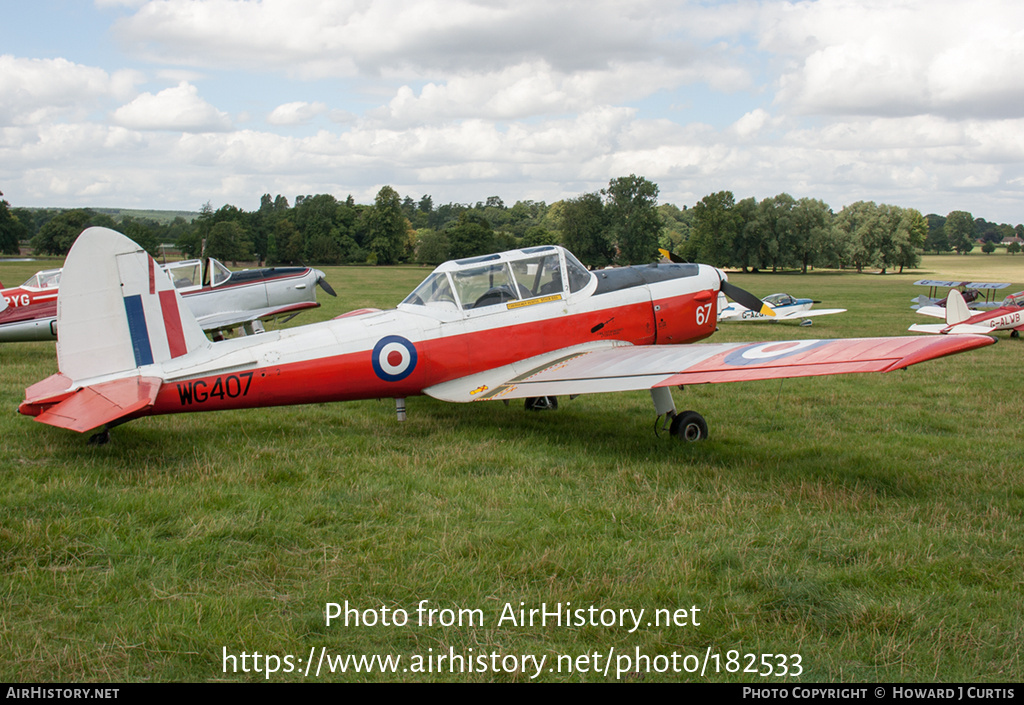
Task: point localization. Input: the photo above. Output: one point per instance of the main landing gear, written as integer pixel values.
(541, 403)
(688, 426)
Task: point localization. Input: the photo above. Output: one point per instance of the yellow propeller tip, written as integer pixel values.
(767, 310)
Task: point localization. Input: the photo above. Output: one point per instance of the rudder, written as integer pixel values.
(117, 310)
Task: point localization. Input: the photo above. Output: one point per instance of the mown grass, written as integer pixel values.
(870, 523)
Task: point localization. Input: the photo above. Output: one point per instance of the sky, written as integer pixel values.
(171, 104)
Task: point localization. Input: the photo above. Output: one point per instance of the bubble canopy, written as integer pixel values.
(490, 280)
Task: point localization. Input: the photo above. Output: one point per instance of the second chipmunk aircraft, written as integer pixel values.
(531, 323)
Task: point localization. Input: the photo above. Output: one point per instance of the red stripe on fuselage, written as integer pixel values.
(350, 376)
(993, 317)
(172, 322)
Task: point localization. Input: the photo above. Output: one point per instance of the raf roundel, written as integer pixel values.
(762, 352)
(394, 358)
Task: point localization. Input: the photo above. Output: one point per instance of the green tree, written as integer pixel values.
(12, 230)
(538, 236)
(632, 207)
(911, 233)
(715, 224)
(775, 227)
(746, 243)
(470, 236)
(676, 227)
(860, 224)
(432, 246)
(57, 236)
(229, 241)
(936, 240)
(960, 231)
(582, 224)
(388, 227)
(812, 232)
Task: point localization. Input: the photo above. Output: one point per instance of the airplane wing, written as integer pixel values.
(969, 285)
(793, 315)
(234, 319)
(616, 367)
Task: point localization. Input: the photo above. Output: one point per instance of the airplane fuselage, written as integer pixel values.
(401, 352)
(244, 290)
(1002, 318)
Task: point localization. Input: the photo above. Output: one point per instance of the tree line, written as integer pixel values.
(620, 224)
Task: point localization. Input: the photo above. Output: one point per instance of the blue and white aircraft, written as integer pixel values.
(783, 307)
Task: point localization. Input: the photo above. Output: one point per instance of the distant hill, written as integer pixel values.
(161, 217)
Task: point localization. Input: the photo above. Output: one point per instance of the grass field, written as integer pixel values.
(871, 524)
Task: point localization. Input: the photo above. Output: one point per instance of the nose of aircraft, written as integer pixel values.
(321, 280)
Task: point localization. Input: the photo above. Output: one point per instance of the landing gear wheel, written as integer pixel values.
(1014, 333)
(100, 439)
(541, 403)
(689, 426)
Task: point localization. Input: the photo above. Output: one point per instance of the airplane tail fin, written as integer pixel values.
(956, 308)
(117, 314)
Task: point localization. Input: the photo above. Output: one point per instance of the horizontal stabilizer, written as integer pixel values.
(927, 328)
(933, 311)
(100, 404)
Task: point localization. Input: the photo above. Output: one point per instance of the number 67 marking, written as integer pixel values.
(703, 314)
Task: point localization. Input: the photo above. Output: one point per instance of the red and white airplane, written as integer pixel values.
(960, 319)
(40, 287)
(219, 298)
(530, 323)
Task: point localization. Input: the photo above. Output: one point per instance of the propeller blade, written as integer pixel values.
(671, 256)
(322, 283)
(745, 298)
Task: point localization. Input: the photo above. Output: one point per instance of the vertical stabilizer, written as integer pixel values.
(956, 308)
(117, 310)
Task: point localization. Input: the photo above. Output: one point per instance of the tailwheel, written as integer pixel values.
(689, 426)
(541, 403)
(100, 439)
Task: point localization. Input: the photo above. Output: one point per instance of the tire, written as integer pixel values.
(541, 403)
(689, 426)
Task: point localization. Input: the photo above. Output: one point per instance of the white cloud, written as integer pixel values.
(178, 108)
(917, 57)
(296, 113)
(426, 39)
(35, 91)
(752, 123)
